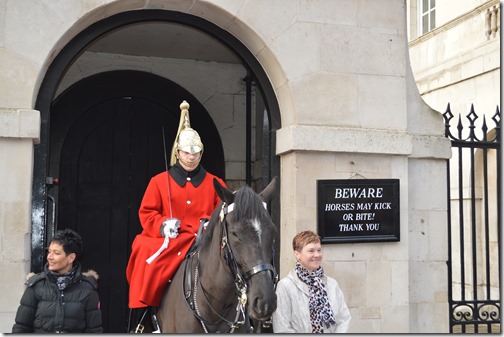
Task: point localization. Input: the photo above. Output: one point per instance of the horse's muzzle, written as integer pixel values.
(262, 307)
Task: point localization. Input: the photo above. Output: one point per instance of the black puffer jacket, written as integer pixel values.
(46, 309)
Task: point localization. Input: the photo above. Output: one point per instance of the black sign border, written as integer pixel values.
(392, 237)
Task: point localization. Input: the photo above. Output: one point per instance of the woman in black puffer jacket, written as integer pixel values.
(61, 298)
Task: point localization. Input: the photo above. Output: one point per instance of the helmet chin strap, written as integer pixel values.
(190, 165)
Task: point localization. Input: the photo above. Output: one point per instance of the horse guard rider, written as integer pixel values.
(176, 203)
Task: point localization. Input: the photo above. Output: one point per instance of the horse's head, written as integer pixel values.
(248, 239)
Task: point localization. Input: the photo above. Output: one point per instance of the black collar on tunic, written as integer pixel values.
(181, 176)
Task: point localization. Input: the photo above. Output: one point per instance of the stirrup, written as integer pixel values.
(155, 323)
(140, 328)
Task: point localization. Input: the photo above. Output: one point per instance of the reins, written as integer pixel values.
(240, 279)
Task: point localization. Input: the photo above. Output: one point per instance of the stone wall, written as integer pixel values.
(19, 130)
(349, 109)
(459, 62)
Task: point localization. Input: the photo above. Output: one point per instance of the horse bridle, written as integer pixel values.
(240, 278)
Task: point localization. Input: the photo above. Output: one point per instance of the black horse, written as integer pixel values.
(228, 279)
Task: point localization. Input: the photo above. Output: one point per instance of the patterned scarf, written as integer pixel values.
(63, 280)
(321, 312)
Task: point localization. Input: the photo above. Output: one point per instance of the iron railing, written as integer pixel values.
(474, 223)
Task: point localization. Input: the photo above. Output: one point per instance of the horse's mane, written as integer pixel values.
(214, 221)
(247, 204)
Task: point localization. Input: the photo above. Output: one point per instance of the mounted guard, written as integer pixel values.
(174, 206)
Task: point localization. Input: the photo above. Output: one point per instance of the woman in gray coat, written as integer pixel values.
(307, 300)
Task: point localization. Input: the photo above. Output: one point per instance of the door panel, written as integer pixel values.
(106, 144)
(102, 179)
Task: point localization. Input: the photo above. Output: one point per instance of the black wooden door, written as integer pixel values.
(106, 144)
(106, 162)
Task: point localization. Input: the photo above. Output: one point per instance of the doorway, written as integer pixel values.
(102, 138)
(106, 144)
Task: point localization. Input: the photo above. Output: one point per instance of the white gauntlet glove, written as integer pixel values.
(170, 228)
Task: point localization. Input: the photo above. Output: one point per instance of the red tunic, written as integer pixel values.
(189, 204)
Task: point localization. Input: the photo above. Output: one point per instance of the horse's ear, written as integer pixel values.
(268, 190)
(225, 194)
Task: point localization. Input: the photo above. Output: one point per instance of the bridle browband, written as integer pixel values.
(241, 278)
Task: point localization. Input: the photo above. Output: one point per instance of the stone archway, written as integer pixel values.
(41, 228)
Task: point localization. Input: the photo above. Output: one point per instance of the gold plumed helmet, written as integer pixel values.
(187, 138)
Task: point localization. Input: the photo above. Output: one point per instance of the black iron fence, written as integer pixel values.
(474, 222)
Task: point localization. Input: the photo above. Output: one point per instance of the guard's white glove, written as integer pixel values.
(170, 228)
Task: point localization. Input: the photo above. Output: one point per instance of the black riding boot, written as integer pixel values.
(155, 324)
(136, 318)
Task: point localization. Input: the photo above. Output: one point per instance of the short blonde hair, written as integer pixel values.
(303, 238)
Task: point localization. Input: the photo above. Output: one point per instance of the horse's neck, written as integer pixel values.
(215, 287)
(214, 272)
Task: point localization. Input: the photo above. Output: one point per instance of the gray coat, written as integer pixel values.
(292, 313)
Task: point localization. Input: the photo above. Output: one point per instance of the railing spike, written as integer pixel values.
(484, 128)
